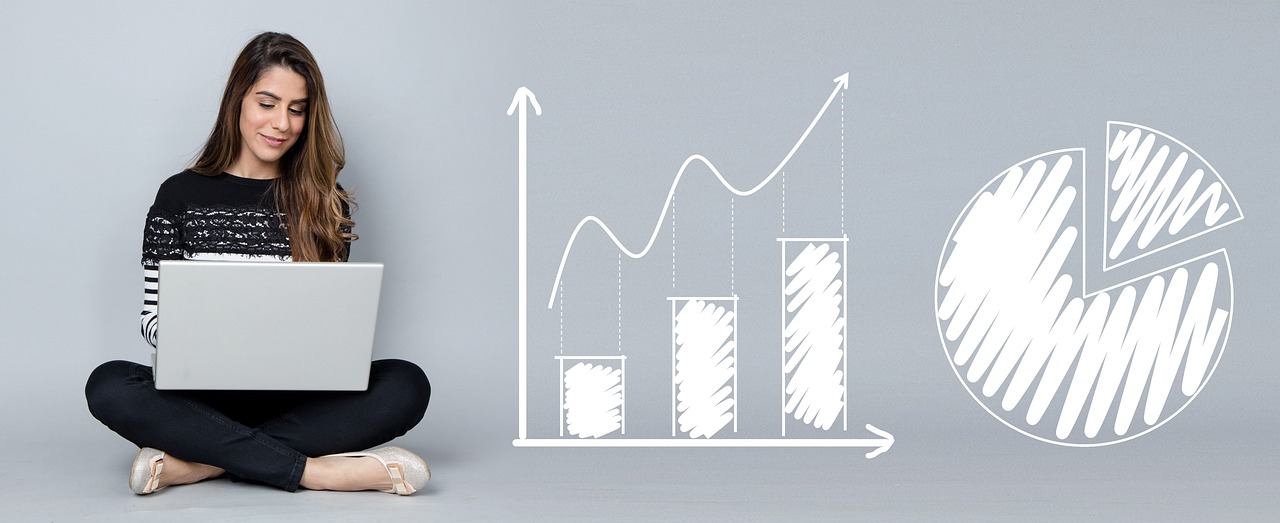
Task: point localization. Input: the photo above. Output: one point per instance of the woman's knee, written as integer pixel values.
(106, 390)
(405, 382)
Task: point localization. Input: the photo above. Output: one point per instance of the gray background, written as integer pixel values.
(99, 103)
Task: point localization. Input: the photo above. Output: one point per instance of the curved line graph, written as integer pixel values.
(842, 82)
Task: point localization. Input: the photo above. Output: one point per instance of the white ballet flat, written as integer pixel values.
(144, 478)
(408, 471)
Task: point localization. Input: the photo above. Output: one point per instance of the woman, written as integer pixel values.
(265, 187)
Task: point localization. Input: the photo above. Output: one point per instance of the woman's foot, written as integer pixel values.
(388, 469)
(154, 470)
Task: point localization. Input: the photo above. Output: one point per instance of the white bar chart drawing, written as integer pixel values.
(705, 361)
(815, 350)
(704, 365)
(593, 397)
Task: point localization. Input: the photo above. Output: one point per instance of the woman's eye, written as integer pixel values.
(266, 105)
(296, 112)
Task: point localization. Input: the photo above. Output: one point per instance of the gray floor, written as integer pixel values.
(1009, 479)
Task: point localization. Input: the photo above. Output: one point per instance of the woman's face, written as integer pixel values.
(272, 116)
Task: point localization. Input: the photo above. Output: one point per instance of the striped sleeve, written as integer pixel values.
(150, 287)
(161, 240)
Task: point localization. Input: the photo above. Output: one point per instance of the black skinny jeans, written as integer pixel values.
(259, 436)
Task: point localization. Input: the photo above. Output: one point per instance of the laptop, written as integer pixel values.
(248, 325)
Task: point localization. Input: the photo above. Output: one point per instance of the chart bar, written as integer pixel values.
(592, 395)
(704, 365)
(814, 313)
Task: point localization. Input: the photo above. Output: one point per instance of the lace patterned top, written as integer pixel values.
(197, 217)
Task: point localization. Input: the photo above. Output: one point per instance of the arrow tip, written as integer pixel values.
(886, 437)
(523, 94)
(843, 81)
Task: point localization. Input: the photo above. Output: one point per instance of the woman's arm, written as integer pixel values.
(161, 240)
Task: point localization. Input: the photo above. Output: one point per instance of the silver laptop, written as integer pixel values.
(266, 325)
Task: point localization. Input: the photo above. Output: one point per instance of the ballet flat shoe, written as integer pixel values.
(145, 476)
(409, 473)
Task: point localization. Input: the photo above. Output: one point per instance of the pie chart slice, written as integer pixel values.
(1044, 356)
(1159, 193)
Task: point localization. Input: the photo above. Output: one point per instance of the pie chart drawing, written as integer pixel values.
(1061, 362)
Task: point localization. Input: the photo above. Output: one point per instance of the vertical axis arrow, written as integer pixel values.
(523, 98)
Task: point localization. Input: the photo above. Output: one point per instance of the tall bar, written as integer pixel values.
(814, 313)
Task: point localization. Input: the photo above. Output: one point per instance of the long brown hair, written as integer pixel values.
(316, 210)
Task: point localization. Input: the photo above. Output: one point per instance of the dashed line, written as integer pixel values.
(842, 163)
(784, 202)
(673, 241)
(731, 244)
(562, 316)
(619, 302)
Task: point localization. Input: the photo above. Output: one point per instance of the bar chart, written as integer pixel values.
(761, 360)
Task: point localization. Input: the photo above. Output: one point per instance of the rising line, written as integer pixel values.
(842, 82)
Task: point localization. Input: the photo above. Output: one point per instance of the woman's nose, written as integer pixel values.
(280, 121)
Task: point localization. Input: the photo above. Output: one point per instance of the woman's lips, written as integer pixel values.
(274, 142)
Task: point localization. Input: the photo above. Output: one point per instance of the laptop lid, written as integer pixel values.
(266, 325)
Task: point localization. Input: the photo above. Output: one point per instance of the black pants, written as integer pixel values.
(260, 436)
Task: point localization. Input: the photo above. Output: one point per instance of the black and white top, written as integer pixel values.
(197, 217)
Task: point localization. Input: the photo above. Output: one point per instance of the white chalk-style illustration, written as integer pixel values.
(1159, 193)
(522, 100)
(704, 366)
(1041, 351)
(842, 83)
(705, 359)
(814, 347)
(593, 396)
